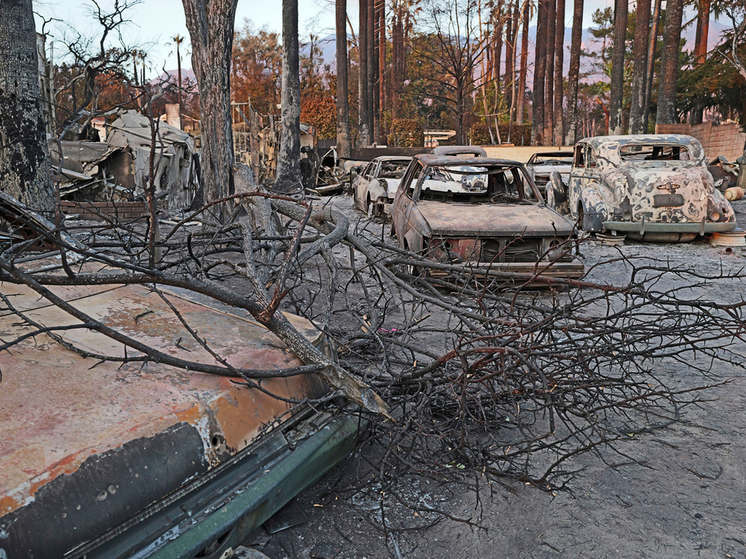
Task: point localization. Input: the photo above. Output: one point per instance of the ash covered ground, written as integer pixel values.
(673, 492)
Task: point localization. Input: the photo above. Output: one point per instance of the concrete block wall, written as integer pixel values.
(121, 211)
(726, 139)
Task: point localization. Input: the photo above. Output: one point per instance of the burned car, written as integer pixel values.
(502, 224)
(106, 454)
(375, 187)
(541, 165)
(647, 187)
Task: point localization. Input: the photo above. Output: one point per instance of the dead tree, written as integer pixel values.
(24, 158)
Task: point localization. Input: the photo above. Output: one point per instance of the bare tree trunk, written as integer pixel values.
(540, 67)
(700, 50)
(524, 63)
(381, 19)
(288, 158)
(616, 96)
(210, 25)
(343, 107)
(573, 74)
(669, 63)
(549, 88)
(498, 44)
(364, 88)
(651, 61)
(509, 57)
(559, 47)
(397, 62)
(24, 157)
(372, 69)
(703, 31)
(639, 54)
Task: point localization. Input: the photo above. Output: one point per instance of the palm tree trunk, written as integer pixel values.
(651, 61)
(540, 67)
(343, 107)
(639, 54)
(616, 101)
(524, 63)
(372, 69)
(669, 63)
(288, 177)
(364, 130)
(559, 47)
(574, 72)
(549, 90)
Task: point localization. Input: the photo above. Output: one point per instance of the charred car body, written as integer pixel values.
(375, 187)
(542, 164)
(499, 222)
(648, 187)
(131, 458)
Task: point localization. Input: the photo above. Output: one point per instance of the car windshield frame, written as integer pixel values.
(504, 184)
(400, 164)
(655, 153)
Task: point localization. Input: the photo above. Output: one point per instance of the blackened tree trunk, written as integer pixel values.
(24, 156)
(524, 63)
(288, 158)
(669, 63)
(210, 25)
(559, 47)
(573, 73)
(616, 96)
(640, 56)
(364, 89)
(540, 67)
(343, 106)
(549, 88)
(498, 43)
(652, 45)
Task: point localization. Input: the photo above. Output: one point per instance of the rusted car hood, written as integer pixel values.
(493, 220)
(90, 443)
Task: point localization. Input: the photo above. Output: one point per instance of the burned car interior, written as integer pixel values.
(475, 185)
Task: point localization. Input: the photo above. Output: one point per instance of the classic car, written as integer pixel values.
(647, 187)
(113, 459)
(502, 225)
(541, 165)
(375, 187)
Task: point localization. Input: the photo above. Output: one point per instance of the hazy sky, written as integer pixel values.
(155, 22)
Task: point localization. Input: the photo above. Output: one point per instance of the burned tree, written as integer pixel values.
(210, 27)
(24, 158)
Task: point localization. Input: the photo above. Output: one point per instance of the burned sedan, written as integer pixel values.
(375, 187)
(107, 454)
(541, 165)
(498, 223)
(648, 187)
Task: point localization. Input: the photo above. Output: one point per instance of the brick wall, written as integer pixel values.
(121, 211)
(726, 140)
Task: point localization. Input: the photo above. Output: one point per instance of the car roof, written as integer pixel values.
(611, 143)
(392, 158)
(429, 159)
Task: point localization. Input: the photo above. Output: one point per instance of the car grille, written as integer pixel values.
(511, 250)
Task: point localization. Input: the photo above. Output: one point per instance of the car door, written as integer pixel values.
(403, 203)
(577, 176)
(361, 187)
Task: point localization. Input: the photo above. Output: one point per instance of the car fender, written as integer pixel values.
(593, 210)
(376, 191)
